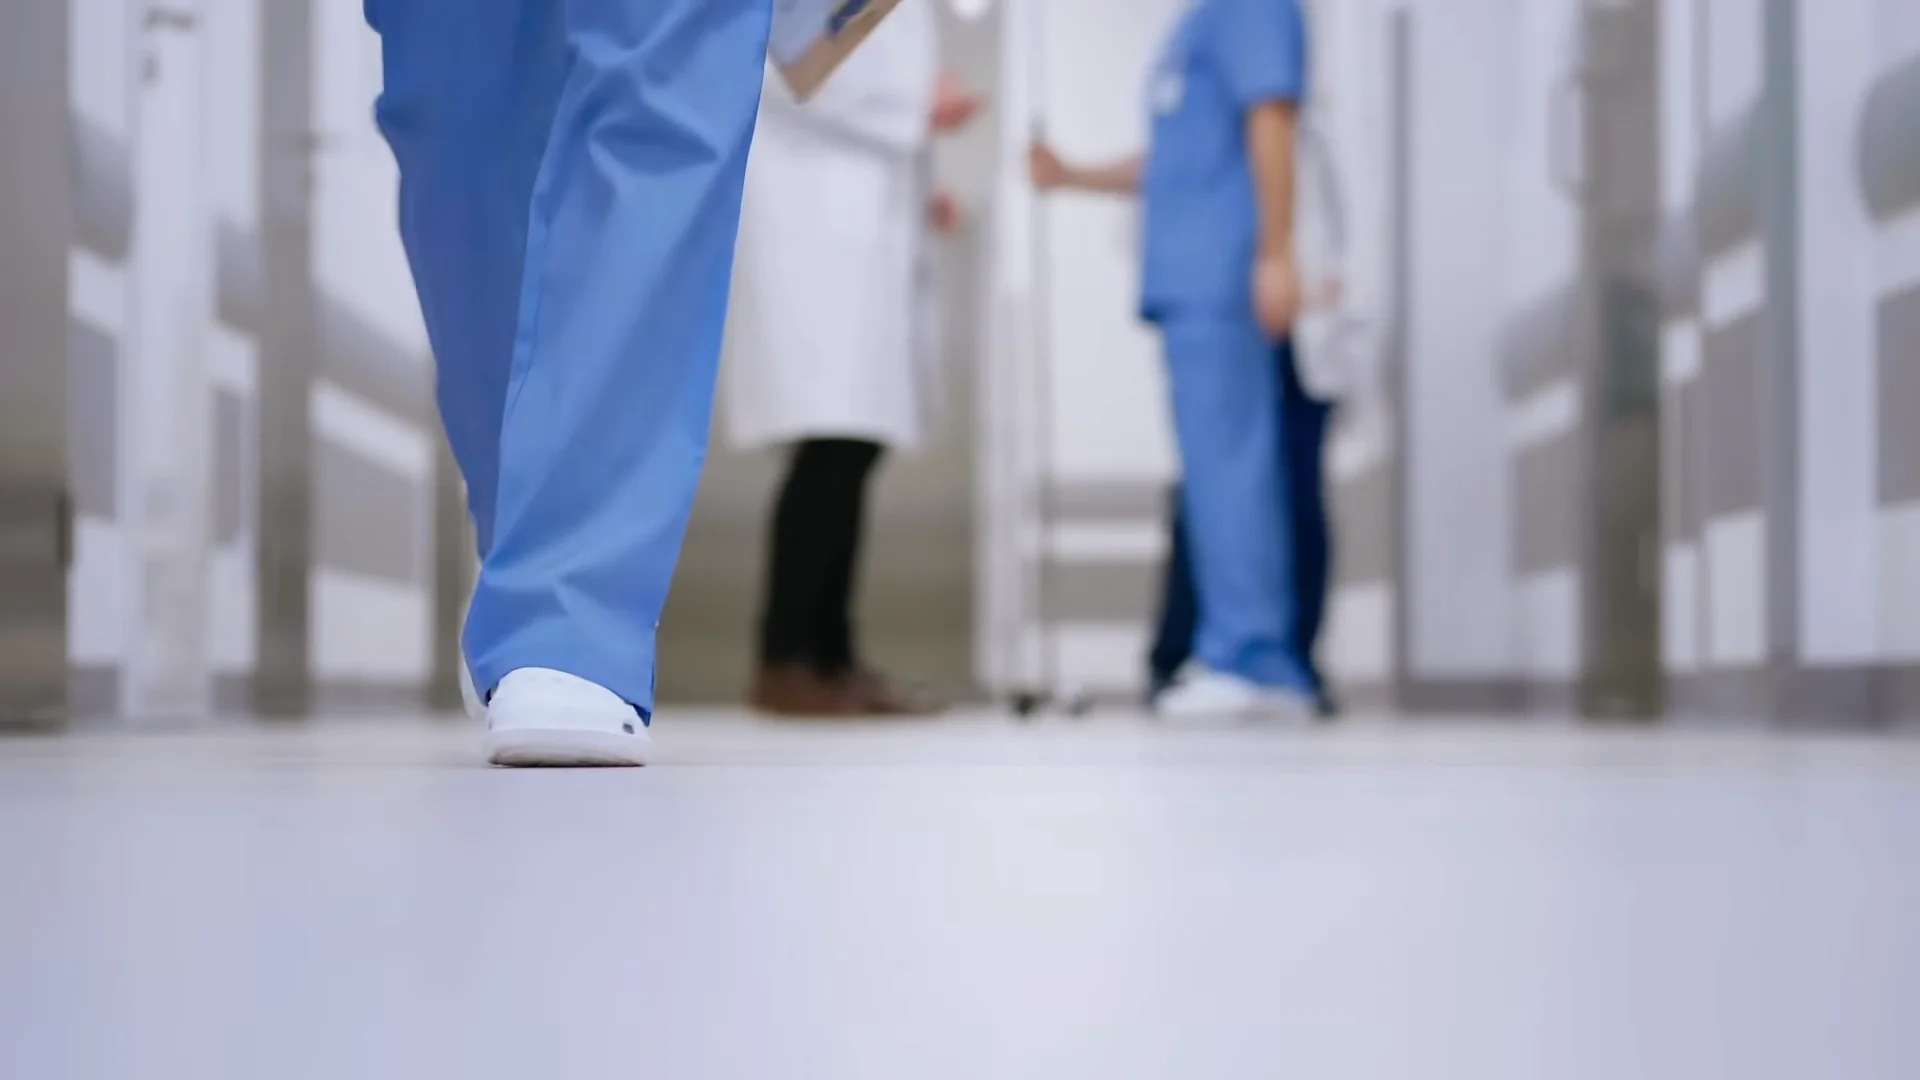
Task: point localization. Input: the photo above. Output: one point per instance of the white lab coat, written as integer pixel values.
(830, 332)
(1336, 351)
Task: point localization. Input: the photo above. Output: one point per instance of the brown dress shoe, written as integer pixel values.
(881, 696)
(796, 690)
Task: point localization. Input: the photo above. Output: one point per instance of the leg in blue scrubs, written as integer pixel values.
(570, 190)
(1302, 438)
(1224, 382)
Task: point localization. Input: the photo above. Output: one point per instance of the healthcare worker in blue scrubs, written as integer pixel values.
(570, 186)
(1220, 282)
(1323, 362)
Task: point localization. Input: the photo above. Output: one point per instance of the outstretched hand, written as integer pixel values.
(943, 213)
(1045, 167)
(954, 106)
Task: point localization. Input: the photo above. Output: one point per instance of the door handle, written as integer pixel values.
(63, 529)
(317, 142)
(1566, 137)
(160, 17)
(170, 20)
(1650, 562)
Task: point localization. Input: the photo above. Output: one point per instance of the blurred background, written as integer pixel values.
(1639, 442)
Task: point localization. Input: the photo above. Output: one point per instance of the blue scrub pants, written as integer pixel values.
(1247, 572)
(570, 182)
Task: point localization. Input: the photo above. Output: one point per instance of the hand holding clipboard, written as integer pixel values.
(811, 38)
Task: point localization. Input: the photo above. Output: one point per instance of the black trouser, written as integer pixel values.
(808, 616)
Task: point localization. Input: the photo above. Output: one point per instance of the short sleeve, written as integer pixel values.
(1261, 48)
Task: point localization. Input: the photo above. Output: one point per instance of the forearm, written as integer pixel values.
(1270, 135)
(1112, 178)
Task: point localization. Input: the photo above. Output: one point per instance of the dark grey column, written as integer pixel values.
(36, 230)
(1889, 142)
(1620, 579)
(283, 680)
(1780, 219)
(1586, 500)
(453, 568)
(1400, 39)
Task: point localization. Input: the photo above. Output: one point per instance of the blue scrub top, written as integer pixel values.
(1223, 58)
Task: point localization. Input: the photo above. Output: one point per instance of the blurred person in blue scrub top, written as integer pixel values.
(1221, 283)
(570, 187)
(1324, 362)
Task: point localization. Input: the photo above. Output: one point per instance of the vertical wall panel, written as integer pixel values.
(236, 77)
(1856, 114)
(1888, 156)
(375, 435)
(1719, 361)
(35, 229)
(1681, 137)
(1839, 514)
(104, 593)
(1459, 519)
(1358, 102)
(171, 302)
(283, 678)
(1073, 402)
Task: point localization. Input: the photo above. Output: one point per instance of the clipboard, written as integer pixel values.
(811, 38)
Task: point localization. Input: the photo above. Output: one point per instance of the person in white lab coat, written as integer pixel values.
(830, 349)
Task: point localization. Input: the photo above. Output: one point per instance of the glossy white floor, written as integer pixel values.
(969, 899)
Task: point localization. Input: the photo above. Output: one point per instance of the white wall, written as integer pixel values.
(365, 629)
(357, 257)
(1533, 56)
(1897, 262)
(1072, 391)
(1106, 387)
(233, 356)
(103, 583)
(1539, 114)
(1735, 591)
(1859, 574)
(1459, 517)
(171, 303)
(1681, 144)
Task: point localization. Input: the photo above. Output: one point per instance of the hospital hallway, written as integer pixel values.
(1592, 521)
(973, 897)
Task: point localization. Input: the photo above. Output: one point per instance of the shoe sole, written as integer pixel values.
(542, 748)
(1263, 710)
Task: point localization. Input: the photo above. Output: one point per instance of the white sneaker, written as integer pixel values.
(1206, 693)
(541, 717)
